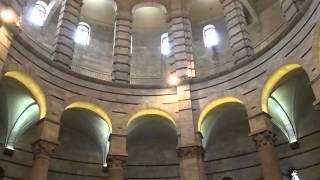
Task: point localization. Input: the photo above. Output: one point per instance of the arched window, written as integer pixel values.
(39, 13)
(165, 46)
(82, 35)
(293, 174)
(210, 36)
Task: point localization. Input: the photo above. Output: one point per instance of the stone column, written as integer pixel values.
(236, 23)
(67, 25)
(122, 46)
(42, 150)
(290, 9)
(262, 133)
(181, 60)
(117, 156)
(190, 150)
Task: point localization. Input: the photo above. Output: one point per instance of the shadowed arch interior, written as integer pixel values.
(152, 139)
(89, 125)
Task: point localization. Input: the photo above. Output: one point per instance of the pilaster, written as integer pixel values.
(290, 9)
(67, 25)
(181, 59)
(122, 46)
(239, 38)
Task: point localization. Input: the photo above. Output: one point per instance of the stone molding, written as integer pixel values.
(265, 139)
(190, 152)
(44, 148)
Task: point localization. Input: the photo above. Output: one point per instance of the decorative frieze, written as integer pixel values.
(190, 152)
(116, 161)
(43, 147)
(265, 139)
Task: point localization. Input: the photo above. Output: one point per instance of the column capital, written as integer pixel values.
(189, 152)
(43, 147)
(265, 139)
(116, 161)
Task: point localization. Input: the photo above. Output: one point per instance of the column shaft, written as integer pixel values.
(237, 29)
(67, 25)
(122, 46)
(289, 9)
(180, 37)
(190, 151)
(42, 152)
(267, 155)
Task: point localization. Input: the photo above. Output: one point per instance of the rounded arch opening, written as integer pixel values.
(287, 96)
(33, 87)
(212, 105)
(152, 141)
(85, 132)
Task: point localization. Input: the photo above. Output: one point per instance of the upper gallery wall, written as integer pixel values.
(265, 23)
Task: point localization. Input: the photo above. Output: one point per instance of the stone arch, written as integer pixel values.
(212, 105)
(77, 117)
(93, 108)
(273, 81)
(279, 98)
(29, 79)
(153, 3)
(151, 111)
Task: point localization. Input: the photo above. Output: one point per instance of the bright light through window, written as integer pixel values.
(165, 46)
(39, 13)
(210, 36)
(82, 35)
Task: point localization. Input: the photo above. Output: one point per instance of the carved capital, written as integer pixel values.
(190, 152)
(45, 148)
(264, 139)
(116, 161)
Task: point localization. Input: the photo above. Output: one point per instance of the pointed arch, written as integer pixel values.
(33, 87)
(93, 108)
(273, 81)
(214, 104)
(152, 111)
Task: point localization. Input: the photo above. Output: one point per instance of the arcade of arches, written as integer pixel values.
(160, 89)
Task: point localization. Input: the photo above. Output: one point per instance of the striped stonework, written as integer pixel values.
(67, 25)
(237, 29)
(180, 37)
(122, 47)
(290, 9)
